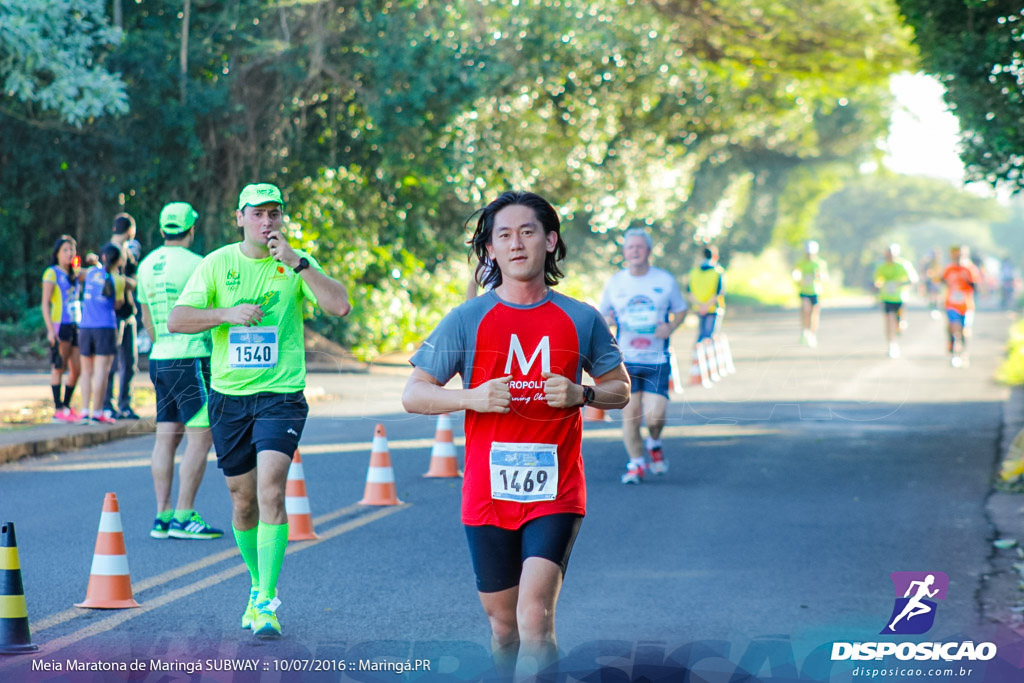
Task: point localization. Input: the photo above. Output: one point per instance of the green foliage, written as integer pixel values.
(24, 338)
(394, 295)
(388, 123)
(974, 48)
(50, 61)
(854, 223)
(1011, 371)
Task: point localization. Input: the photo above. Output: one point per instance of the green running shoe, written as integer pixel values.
(195, 528)
(266, 625)
(159, 529)
(249, 615)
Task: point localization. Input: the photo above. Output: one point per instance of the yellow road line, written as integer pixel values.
(605, 434)
(115, 620)
(168, 576)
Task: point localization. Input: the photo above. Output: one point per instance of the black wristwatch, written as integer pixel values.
(303, 264)
(588, 395)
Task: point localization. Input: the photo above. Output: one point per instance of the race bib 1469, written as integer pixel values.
(524, 472)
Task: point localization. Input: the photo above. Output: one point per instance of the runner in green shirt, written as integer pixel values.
(891, 278)
(179, 365)
(251, 294)
(810, 273)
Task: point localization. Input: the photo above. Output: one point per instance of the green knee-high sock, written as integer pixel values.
(271, 544)
(247, 544)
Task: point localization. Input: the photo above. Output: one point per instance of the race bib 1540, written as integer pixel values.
(252, 347)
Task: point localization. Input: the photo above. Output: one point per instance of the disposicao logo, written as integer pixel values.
(914, 610)
(913, 613)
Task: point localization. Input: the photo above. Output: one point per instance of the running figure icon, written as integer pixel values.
(915, 606)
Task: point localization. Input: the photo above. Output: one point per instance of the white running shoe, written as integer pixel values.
(634, 474)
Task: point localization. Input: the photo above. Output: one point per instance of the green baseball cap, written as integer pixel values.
(259, 193)
(177, 217)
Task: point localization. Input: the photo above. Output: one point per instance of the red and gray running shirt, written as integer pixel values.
(525, 463)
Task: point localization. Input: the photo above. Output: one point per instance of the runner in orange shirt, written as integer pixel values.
(961, 278)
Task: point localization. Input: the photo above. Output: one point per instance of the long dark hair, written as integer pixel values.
(61, 241)
(487, 273)
(110, 253)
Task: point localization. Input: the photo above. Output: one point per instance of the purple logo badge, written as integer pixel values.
(916, 592)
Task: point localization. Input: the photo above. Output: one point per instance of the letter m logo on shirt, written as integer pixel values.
(515, 351)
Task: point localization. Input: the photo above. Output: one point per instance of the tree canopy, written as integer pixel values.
(51, 61)
(387, 122)
(975, 48)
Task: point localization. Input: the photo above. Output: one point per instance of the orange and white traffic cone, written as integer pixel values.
(444, 461)
(15, 637)
(712, 360)
(675, 381)
(701, 359)
(592, 414)
(723, 342)
(380, 478)
(723, 367)
(296, 503)
(110, 587)
(697, 368)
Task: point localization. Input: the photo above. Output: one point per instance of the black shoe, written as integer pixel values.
(128, 415)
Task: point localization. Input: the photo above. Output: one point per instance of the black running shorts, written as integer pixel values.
(182, 390)
(498, 554)
(243, 426)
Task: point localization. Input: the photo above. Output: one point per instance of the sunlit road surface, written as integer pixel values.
(796, 486)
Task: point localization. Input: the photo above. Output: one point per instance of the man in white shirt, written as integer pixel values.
(645, 305)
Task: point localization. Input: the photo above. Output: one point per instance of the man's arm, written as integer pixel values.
(331, 295)
(665, 330)
(425, 395)
(147, 322)
(611, 390)
(188, 320)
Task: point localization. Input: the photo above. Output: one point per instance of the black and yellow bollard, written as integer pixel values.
(14, 634)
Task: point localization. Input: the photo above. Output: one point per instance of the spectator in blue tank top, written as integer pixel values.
(103, 294)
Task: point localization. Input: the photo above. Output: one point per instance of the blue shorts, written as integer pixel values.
(892, 306)
(498, 554)
(652, 379)
(813, 298)
(958, 318)
(243, 426)
(182, 390)
(707, 325)
(97, 341)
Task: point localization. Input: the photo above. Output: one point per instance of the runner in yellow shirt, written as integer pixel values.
(810, 272)
(892, 277)
(705, 288)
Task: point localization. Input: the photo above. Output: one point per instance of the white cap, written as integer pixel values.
(811, 247)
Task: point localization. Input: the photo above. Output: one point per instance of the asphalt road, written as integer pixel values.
(796, 486)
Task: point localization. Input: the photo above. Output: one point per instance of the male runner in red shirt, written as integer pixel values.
(521, 349)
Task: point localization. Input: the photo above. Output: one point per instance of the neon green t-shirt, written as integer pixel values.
(270, 356)
(892, 278)
(812, 272)
(162, 275)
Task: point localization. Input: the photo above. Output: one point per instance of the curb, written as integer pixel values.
(57, 438)
(1000, 596)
